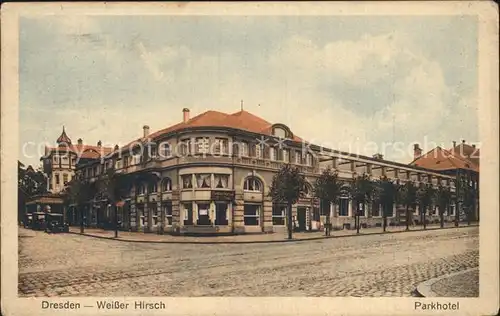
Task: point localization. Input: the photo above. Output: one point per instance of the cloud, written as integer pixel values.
(340, 91)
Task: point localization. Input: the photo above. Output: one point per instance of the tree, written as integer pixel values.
(329, 189)
(408, 197)
(443, 201)
(114, 187)
(30, 182)
(386, 193)
(78, 192)
(469, 201)
(425, 199)
(361, 193)
(288, 186)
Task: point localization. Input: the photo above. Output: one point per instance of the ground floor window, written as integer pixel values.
(221, 213)
(279, 213)
(188, 213)
(251, 214)
(375, 209)
(155, 214)
(142, 217)
(203, 214)
(362, 209)
(344, 207)
(389, 210)
(315, 214)
(452, 210)
(324, 208)
(436, 210)
(167, 209)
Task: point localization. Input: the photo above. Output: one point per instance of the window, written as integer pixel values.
(166, 185)
(436, 210)
(298, 157)
(279, 132)
(187, 181)
(344, 207)
(167, 209)
(272, 153)
(141, 189)
(221, 181)
(251, 214)
(375, 209)
(315, 215)
(152, 187)
(221, 214)
(155, 214)
(258, 151)
(185, 147)
(125, 162)
(57, 179)
(221, 146)
(65, 178)
(203, 180)
(324, 208)
(188, 213)
(243, 149)
(94, 171)
(279, 212)
(309, 159)
(136, 159)
(56, 159)
(202, 145)
(252, 184)
(152, 150)
(165, 150)
(286, 155)
(452, 210)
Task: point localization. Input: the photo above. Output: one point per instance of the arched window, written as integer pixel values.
(252, 184)
(152, 187)
(166, 185)
(141, 189)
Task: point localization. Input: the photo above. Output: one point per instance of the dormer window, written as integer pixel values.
(279, 132)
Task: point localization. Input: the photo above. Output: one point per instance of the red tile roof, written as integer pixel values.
(84, 151)
(241, 120)
(442, 159)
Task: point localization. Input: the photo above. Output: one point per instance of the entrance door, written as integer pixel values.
(203, 216)
(301, 218)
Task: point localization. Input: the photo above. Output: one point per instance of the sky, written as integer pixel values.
(338, 81)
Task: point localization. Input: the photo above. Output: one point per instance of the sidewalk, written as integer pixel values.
(460, 284)
(246, 239)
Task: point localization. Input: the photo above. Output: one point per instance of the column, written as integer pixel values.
(238, 223)
(267, 210)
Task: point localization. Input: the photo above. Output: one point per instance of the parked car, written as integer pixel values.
(28, 220)
(55, 223)
(38, 221)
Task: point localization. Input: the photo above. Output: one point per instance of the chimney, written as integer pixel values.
(99, 144)
(80, 141)
(454, 144)
(378, 156)
(145, 130)
(463, 141)
(417, 151)
(116, 147)
(473, 145)
(185, 115)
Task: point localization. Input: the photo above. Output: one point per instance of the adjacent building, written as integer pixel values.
(460, 161)
(211, 173)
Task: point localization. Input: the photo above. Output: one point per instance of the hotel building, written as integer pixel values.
(211, 173)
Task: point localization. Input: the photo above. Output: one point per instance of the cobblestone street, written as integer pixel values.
(374, 265)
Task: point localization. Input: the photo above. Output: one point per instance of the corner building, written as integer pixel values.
(211, 174)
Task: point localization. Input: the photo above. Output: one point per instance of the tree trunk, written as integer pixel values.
(289, 220)
(82, 224)
(407, 218)
(327, 228)
(356, 217)
(457, 213)
(423, 215)
(441, 216)
(384, 218)
(116, 219)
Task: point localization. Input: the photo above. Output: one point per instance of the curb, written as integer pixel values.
(424, 289)
(261, 241)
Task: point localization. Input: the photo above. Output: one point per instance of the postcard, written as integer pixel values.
(253, 158)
